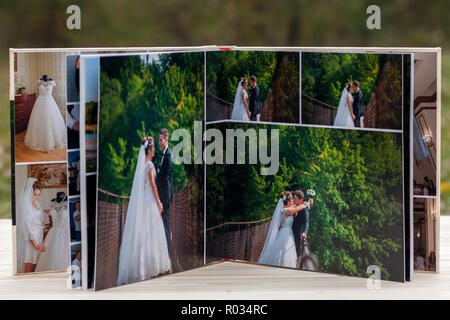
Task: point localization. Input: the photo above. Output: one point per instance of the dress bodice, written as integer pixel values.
(245, 94)
(46, 88)
(286, 222)
(59, 215)
(148, 166)
(350, 96)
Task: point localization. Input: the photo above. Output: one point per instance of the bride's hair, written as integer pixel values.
(151, 144)
(37, 186)
(244, 79)
(349, 85)
(286, 196)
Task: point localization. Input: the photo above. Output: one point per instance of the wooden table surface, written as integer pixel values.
(229, 280)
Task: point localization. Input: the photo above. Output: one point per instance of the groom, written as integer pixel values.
(358, 107)
(164, 182)
(301, 221)
(255, 100)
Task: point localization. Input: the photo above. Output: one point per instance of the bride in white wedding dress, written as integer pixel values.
(57, 242)
(46, 129)
(344, 115)
(279, 247)
(240, 106)
(143, 251)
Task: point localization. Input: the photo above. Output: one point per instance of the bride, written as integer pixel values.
(240, 106)
(30, 227)
(143, 251)
(46, 129)
(344, 115)
(279, 247)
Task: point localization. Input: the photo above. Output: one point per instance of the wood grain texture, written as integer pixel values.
(25, 154)
(229, 280)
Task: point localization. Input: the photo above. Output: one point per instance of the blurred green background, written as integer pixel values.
(404, 23)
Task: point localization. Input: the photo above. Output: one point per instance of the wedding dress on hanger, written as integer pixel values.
(57, 242)
(46, 129)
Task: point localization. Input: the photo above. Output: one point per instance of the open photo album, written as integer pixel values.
(135, 163)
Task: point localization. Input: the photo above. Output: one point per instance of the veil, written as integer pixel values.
(340, 115)
(130, 236)
(237, 100)
(272, 233)
(25, 201)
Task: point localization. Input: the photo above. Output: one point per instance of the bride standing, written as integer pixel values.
(46, 129)
(143, 251)
(30, 227)
(279, 247)
(240, 107)
(344, 115)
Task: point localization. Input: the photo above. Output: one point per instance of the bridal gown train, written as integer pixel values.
(282, 251)
(46, 129)
(57, 242)
(143, 251)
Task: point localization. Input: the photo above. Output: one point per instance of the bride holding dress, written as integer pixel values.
(46, 129)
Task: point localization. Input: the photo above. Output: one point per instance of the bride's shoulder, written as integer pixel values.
(149, 164)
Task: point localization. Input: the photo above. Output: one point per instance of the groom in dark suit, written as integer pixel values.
(358, 107)
(164, 182)
(301, 221)
(255, 100)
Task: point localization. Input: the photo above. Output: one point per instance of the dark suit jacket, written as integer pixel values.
(300, 225)
(358, 106)
(255, 101)
(164, 181)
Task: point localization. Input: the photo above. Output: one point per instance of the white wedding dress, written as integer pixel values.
(57, 242)
(239, 112)
(143, 251)
(279, 247)
(343, 116)
(46, 129)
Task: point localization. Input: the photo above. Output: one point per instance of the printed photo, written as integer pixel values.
(75, 219)
(75, 258)
(335, 204)
(352, 90)
(40, 133)
(74, 172)
(42, 218)
(252, 86)
(150, 209)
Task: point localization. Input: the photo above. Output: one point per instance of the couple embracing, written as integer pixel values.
(289, 226)
(243, 109)
(351, 108)
(145, 246)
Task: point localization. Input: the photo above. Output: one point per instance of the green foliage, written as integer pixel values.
(138, 98)
(325, 74)
(357, 215)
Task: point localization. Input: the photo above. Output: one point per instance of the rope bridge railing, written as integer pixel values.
(246, 243)
(217, 108)
(317, 112)
(186, 244)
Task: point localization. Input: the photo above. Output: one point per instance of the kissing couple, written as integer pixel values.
(351, 108)
(289, 226)
(145, 247)
(243, 109)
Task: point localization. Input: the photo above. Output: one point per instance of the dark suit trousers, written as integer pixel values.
(166, 221)
(253, 117)
(357, 122)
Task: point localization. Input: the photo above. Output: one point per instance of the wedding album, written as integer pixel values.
(130, 164)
